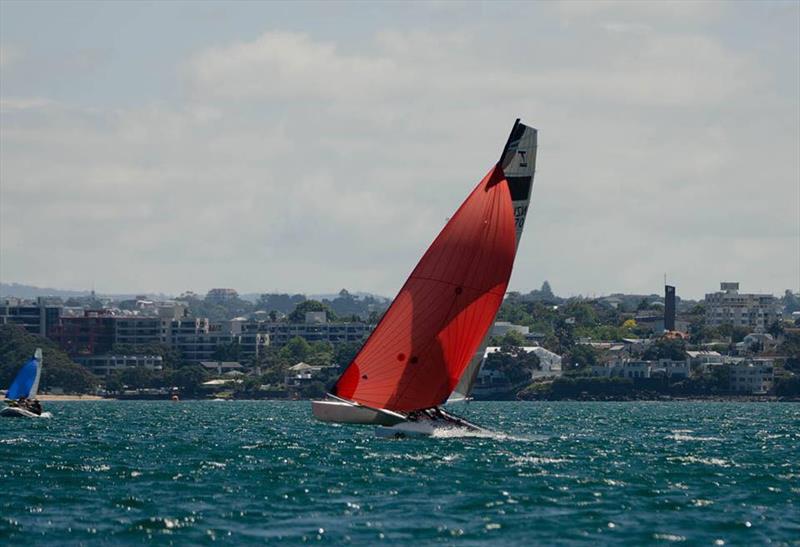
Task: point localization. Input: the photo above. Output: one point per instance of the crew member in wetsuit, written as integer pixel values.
(36, 407)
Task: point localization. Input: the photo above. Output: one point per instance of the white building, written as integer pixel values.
(754, 311)
(105, 365)
(704, 358)
(549, 366)
(300, 374)
(221, 367)
(636, 369)
(754, 376)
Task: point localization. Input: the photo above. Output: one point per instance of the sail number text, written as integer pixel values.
(519, 215)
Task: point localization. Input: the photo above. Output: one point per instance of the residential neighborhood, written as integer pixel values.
(730, 343)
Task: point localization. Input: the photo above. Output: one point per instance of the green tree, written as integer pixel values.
(228, 352)
(296, 349)
(299, 313)
(138, 378)
(512, 339)
(665, 348)
(189, 379)
(736, 334)
(583, 356)
(344, 353)
(58, 370)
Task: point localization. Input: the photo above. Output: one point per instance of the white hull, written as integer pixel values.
(16, 412)
(348, 413)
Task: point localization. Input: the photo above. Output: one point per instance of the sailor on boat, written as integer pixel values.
(31, 405)
(428, 347)
(21, 398)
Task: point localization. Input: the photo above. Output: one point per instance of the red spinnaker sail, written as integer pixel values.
(417, 353)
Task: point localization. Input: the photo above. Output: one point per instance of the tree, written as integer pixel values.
(512, 339)
(629, 324)
(282, 303)
(189, 379)
(790, 347)
(776, 328)
(138, 378)
(228, 352)
(584, 356)
(736, 334)
(344, 353)
(791, 301)
(666, 348)
(299, 313)
(565, 335)
(296, 349)
(17, 346)
(514, 363)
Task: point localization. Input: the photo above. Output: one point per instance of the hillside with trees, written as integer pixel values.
(58, 371)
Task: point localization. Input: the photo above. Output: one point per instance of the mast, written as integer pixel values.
(37, 356)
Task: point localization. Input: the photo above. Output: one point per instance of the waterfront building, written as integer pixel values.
(137, 330)
(487, 379)
(89, 334)
(301, 373)
(638, 369)
(105, 365)
(755, 376)
(222, 367)
(40, 317)
(281, 333)
(671, 369)
(757, 342)
(729, 306)
(198, 339)
(703, 359)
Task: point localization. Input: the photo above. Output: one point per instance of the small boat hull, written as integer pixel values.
(347, 413)
(17, 412)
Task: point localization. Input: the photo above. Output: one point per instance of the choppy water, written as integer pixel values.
(249, 472)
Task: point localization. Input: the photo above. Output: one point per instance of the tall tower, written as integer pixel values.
(669, 307)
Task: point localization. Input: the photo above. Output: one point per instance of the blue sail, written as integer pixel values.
(27, 381)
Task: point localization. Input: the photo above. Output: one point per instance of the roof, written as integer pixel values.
(704, 353)
(302, 366)
(527, 349)
(232, 365)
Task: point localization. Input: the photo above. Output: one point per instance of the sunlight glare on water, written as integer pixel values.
(249, 472)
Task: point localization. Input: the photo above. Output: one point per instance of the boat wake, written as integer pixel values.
(463, 432)
(453, 431)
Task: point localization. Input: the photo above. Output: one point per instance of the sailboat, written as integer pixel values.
(427, 348)
(24, 388)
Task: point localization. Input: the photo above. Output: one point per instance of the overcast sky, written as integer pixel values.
(309, 147)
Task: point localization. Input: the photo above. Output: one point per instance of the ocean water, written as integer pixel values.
(113, 472)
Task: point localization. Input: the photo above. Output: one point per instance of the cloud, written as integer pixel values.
(8, 55)
(307, 161)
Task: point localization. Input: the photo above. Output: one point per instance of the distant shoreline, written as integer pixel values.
(44, 397)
